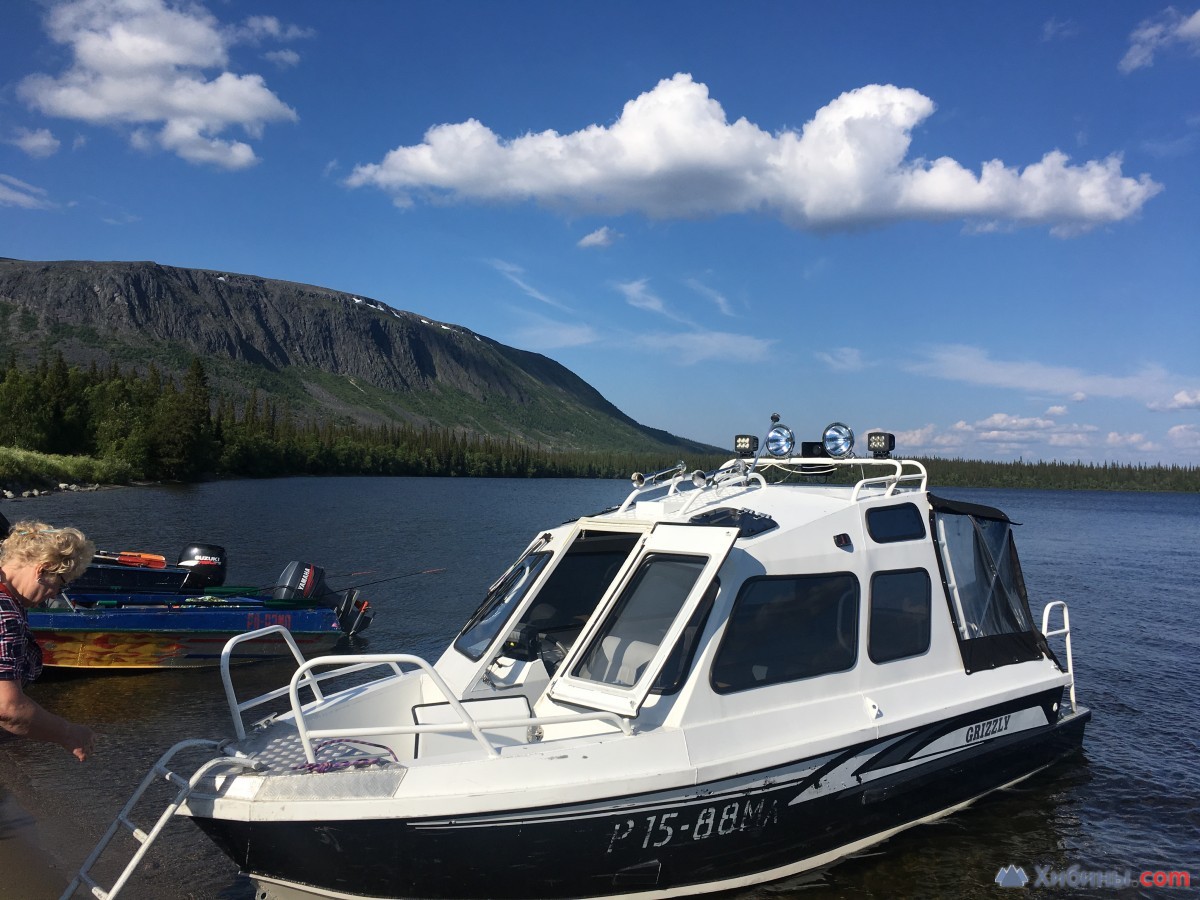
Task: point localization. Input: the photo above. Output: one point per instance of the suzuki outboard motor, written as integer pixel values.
(205, 564)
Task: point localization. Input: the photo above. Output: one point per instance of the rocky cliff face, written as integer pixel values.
(244, 327)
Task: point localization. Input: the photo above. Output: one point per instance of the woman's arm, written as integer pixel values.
(26, 718)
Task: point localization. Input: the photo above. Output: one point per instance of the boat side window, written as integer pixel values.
(984, 575)
(497, 607)
(675, 670)
(899, 615)
(902, 522)
(634, 628)
(784, 628)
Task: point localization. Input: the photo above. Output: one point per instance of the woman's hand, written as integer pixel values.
(80, 740)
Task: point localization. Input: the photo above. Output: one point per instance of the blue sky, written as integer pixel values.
(974, 225)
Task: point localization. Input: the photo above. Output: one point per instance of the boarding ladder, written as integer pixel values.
(1064, 632)
(144, 838)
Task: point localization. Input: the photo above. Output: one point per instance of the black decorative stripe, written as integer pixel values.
(651, 842)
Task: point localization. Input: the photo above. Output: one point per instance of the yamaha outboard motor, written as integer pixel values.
(303, 584)
(205, 564)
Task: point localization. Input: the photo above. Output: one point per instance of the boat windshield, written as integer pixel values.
(497, 607)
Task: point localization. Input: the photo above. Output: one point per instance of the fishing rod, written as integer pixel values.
(363, 584)
(262, 589)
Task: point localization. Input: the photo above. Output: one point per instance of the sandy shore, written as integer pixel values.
(30, 872)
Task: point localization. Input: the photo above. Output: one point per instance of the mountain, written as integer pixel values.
(328, 355)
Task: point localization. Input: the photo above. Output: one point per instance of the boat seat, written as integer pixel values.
(621, 661)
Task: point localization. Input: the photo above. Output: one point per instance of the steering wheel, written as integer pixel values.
(551, 652)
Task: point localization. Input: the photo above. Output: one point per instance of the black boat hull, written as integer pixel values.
(720, 835)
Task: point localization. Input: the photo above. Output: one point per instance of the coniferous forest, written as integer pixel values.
(61, 422)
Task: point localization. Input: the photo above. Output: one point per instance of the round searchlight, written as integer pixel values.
(838, 440)
(780, 441)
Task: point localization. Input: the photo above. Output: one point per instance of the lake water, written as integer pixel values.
(1127, 564)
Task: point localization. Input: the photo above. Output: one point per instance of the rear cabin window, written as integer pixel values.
(899, 615)
(888, 524)
(985, 586)
(784, 628)
(983, 575)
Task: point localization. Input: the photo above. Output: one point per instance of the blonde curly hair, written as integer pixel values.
(58, 551)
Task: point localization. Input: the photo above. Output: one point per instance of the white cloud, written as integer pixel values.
(689, 348)
(601, 237)
(1131, 441)
(516, 275)
(1181, 400)
(284, 59)
(141, 63)
(931, 440)
(1152, 35)
(40, 143)
(1054, 29)
(999, 433)
(719, 299)
(14, 192)
(1056, 411)
(1074, 439)
(974, 365)
(1184, 437)
(259, 28)
(842, 359)
(638, 295)
(672, 153)
(1005, 422)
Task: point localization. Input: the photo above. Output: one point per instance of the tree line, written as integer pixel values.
(145, 426)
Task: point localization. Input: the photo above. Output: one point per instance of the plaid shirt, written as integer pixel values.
(20, 655)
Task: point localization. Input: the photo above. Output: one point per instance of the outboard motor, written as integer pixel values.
(303, 584)
(205, 564)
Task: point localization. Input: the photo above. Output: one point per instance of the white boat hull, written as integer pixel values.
(716, 836)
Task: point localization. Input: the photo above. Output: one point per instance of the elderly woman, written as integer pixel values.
(36, 563)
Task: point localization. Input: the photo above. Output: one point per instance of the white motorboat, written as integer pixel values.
(731, 677)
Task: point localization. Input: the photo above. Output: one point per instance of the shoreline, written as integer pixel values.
(30, 870)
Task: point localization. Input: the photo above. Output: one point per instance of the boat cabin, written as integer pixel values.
(773, 585)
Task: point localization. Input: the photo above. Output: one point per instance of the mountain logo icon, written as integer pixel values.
(1012, 877)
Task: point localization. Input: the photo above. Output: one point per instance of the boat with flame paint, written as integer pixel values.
(729, 678)
(137, 613)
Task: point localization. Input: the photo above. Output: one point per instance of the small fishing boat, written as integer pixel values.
(201, 569)
(132, 611)
(729, 678)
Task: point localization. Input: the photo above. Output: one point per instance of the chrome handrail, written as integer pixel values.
(1066, 632)
(893, 480)
(235, 708)
(466, 721)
